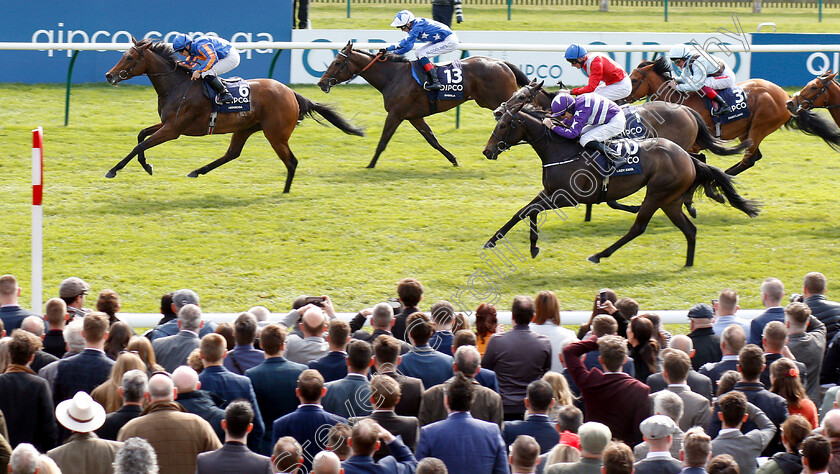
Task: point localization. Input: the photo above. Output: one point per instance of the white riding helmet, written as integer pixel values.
(679, 51)
(402, 18)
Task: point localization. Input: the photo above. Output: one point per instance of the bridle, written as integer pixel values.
(333, 80)
(640, 81)
(513, 123)
(125, 73)
(810, 102)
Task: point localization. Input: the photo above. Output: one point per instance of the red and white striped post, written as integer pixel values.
(37, 217)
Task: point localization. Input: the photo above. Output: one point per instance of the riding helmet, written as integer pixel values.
(575, 51)
(561, 104)
(679, 51)
(180, 42)
(402, 18)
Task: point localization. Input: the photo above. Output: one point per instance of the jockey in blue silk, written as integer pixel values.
(208, 57)
(698, 70)
(590, 117)
(440, 39)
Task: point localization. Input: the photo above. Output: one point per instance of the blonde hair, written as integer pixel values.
(562, 453)
(562, 393)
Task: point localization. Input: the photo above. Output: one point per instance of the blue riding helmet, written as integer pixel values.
(402, 18)
(575, 51)
(180, 42)
(561, 104)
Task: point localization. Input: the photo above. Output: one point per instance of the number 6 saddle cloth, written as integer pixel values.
(238, 88)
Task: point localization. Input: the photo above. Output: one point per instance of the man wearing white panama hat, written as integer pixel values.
(83, 452)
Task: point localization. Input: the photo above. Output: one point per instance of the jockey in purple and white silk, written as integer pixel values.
(591, 118)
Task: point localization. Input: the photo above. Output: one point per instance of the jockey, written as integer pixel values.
(605, 76)
(591, 117)
(440, 38)
(208, 57)
(701, 71)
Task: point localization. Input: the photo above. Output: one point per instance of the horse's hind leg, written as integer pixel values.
(391, 124)
(141, 157)
(237, 141)
(430, 137)
(638, 228)
(280, 143)
(674, 212)
(163, 134)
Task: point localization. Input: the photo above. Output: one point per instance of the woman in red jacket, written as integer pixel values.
(606, 77)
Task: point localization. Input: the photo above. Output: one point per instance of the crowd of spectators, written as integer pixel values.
(424, 392)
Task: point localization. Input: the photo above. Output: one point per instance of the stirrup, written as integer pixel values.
(720, 110)
(225, 98)
(432, 86)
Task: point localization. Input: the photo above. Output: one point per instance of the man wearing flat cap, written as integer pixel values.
(73, 291)
(656, 432)
(706, 343)
(594, 438)
(83, 452)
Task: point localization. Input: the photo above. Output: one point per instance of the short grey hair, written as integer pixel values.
(135, 384)
(382, 315)
(467, 360)
(669, 404)
(260, 312)
(773, 288)
(73, 336)
(190, 317)
(135, 456)
(326, 462)
(24, 459)
(33, 324)
(681, 342)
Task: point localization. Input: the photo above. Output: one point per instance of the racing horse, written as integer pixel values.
(568, 179)
(184, 110)
(822, 91)
(766, 101)
(488, 81)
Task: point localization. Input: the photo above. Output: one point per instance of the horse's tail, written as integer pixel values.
(714, 182)
(521, 78)
(308, 108)
(813, 124)
(707, 141)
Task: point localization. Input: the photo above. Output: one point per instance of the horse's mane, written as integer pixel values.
(162, 49)
(661, 66)
(533, 111)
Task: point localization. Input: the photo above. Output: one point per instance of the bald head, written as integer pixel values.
(681, 342)
(260, 312)
(326, 462)
(831, 424)
(34, 325)
(185, 379)
(313, 322)
(161, 388)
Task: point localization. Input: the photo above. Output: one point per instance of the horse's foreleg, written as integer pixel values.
(161, 135)
(531, 210)
(430, 137)
(141, 157)
(391, 124)
(237, 141)
(638, 228)
(674, 212)
(752, 154)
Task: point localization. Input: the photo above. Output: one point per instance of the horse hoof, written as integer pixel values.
(489, 245)
(193, 174)
(534, 252)
(370, 166)
(149, 169)
(111, 174)
(594, 259)
(692, 211)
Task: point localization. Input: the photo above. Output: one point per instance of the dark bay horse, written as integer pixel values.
(570, 179)
(822, 92)
(488, 81)
(184, 110)
(767, 103)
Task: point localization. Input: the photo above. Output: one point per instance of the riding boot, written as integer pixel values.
(219, 88)
(618, 161)
(433, 84)
(722, 108)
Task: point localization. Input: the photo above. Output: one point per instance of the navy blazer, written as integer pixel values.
(116, 420)
(348, 397)
(242, 358)
(369, 337)
(306, 425)
(206, 405)
(538, 426)
(427, 364)
(774, 406)
(12, 316)
(82, 372)
(487, 378)
(399, 323)
(758, 323)
(464, 444)
(441, 341)
(230, 386)
(274, 382)
(658, 466)
(332, 366)
(233, 458)
(402, 461)
(714, 370)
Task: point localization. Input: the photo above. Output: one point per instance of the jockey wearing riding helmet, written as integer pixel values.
(605, 75)
(440, 38)
(208, 57)
(701, 71)
(590, 117)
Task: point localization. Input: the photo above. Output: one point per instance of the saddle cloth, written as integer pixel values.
(635, 127)
(238, 88)
(737, 100)
(626, 148)
(451, 77)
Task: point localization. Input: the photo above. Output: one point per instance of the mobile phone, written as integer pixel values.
(316, 300)
(602, 297)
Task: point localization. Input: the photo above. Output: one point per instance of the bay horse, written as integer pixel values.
(488, 81)
(822, 92)
(569, 179)
(185, 110)
(766, 101)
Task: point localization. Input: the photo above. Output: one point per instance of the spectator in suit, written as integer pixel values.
(775, 339)
(274, 381)
(816, 454)
(486, 404)
(180, 298)
(83, 452)
(745, 448)
(443, 318)
(604, 325)
(365, 440)
(423, 362)
(410, 292)
(136, 456)
(287, 455)
(205, 404)
(10, 311)
(86, 370)
(326, 462)
(35, 325)
(177, 437)
(307, 423)
(73, 291)
(795, 429)
(594, 438)
(386, 358)
(698, 383)
(166, 310)
(697, 408)
(381, 319)
(56, 317)
(547, 322)
(333, 366)
(485, 377)
(385, 392)
(172, 351)
(657, 431)
(808, 347)
(706, 343)
(312, 345)
(234, 457)
(457, 439)
(732, 341)
(107, 393)
(518, 357)
(538, 401)
(725, 311)
(337, 437)
(349, 397)
(813, 292)
(696, 451)
(215, 378)
(75, 344)
(599, 388)
(134, 389)
(524, 454)
(668, 404)
(25, 398)
(431, 466)
(244, 356)
(772, 292)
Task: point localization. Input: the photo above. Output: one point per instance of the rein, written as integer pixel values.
(333, 81)
(823, 89)
(502, 144)
(125, 74)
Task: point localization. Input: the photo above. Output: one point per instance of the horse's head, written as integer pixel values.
(648, 78)
(529, 94)
(339, 69)
(815, 90)
(131, 64)
(508, 131)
